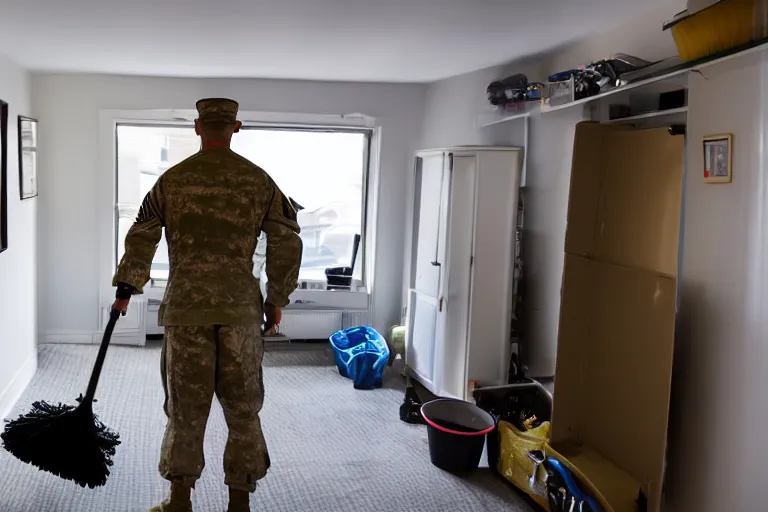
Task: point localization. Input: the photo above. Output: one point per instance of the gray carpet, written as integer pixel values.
(333, 448)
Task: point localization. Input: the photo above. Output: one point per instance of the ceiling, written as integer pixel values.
(345, 40)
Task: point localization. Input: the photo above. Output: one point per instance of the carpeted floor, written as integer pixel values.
(333, 448)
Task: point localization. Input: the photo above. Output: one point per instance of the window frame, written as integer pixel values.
(349, 124)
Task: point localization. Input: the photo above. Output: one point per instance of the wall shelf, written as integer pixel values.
(482, 121)
(668, 77)
(493, 118)
(648, 115)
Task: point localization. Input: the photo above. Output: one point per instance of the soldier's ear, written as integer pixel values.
(197, 127)
(238, 125)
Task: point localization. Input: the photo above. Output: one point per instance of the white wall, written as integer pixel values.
(68, 107)
(720, 405)
(451, 109)
(18, 265)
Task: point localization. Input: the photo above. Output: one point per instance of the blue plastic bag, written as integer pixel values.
(361, 355)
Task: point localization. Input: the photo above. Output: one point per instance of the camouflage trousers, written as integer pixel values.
(196, 362)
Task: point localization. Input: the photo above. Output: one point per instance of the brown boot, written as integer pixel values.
(238, 501)
(179, 502)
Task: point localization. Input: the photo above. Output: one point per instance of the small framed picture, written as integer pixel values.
(27, 157)
(3, 176)
(718, 156)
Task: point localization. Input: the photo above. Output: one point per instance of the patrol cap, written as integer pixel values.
(217, 109)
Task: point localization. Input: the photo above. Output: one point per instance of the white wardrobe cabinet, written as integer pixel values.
(461, 267)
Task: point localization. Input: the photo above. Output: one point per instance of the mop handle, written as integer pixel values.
(91, 392)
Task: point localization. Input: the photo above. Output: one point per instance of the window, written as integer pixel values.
(323, 170)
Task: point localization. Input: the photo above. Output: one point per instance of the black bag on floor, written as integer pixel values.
(410, 410)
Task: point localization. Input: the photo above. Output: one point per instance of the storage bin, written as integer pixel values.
(710, 27)
(361, 354)
(560, 93)
(338, 282)
(498, 401)
(509, 447)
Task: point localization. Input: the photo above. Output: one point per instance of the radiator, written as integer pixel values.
(310, 325)
(319, 325)
(356, 319)
(297, 324)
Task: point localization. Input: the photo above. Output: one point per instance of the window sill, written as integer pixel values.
(300, 298)
(329, 299)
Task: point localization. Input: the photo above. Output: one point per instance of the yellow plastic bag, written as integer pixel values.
(514, 463)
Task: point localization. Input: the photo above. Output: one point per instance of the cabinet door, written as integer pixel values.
(427, 224)
(430, 191)
(452, 353)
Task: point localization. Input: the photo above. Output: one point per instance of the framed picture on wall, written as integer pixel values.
(3, 175)
(27, 157)
(718, 157)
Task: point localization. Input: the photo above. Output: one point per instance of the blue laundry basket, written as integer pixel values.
(361, 355)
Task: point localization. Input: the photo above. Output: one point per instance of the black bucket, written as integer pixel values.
(456, 431)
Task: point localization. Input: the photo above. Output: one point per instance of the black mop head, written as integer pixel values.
(68, 441)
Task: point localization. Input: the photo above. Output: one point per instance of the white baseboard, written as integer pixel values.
(18, 384)
(76, 337)
(121, 338)
(92, 338)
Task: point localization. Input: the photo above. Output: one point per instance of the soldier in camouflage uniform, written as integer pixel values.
(213, 207)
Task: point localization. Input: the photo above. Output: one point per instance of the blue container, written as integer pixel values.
(361, 355)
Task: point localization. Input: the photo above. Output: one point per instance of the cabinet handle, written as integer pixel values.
(440, 306)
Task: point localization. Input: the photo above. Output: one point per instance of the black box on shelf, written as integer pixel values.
(619, 111)
(672, 99)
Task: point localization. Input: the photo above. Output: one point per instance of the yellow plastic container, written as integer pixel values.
(720, 27)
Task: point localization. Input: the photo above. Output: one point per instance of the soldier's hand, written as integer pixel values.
(273, 316)
(123, 297)
(121, 305)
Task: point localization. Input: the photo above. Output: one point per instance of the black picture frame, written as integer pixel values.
(27, 144)
(3, 175)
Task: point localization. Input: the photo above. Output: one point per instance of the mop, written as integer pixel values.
(65, 440)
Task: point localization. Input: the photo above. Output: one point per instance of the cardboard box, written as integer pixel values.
(617, 315)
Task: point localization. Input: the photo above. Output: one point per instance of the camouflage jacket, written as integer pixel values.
(213, 207)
